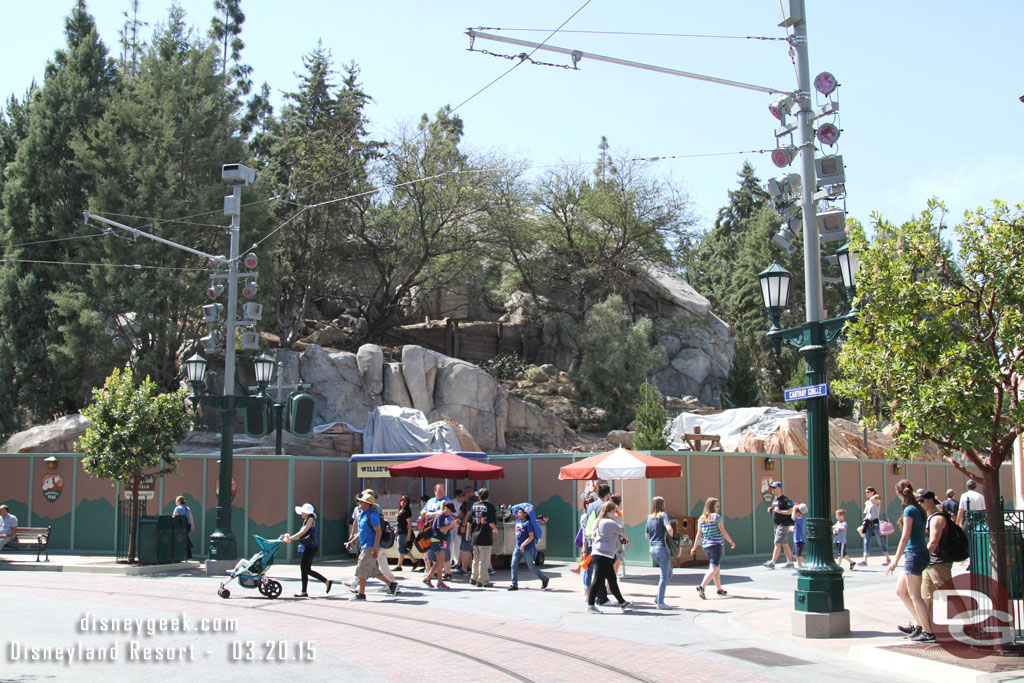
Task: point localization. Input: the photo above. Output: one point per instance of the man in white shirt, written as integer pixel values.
(971, 500)
(8, 526)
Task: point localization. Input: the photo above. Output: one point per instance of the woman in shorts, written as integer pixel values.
(437, 556)
(914, 542)
(710, 534)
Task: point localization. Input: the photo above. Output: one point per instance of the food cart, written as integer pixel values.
(373, 471)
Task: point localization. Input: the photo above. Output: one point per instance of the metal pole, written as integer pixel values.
(223, 545)
(578, 55)
(820, 585)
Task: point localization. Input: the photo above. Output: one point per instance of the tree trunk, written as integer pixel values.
(133, 524)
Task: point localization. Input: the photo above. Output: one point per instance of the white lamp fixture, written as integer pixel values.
(783, 156)
(825, 83)
(828, 134)
(252, 310)
(251, 261)
(848, 265)
(249, 290)
(195, 369)
(781, 107)
(775, 286)
(214, 291)
(211, 312)
(264, 366)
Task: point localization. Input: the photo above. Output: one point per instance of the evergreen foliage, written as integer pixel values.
(651, 422)
(617, 359)
(740, 387)
(44, 192)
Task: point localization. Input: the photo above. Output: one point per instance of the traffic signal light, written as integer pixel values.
(259, 420)
(301, 414)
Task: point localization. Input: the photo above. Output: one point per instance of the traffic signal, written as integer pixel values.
(259, 420)
(301, 409)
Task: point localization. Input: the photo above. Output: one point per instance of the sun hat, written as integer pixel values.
(305, 509)
(367, 498)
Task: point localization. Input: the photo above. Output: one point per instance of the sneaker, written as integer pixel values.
(923, 637)
(360, 596)
(796, 572)
(852, 565)
(721, 592)
(459, 571)
(862, 564)
(886, 563)
(513, 587)
(700, 592)
(662, 605)
(397, 568)
(575, 570)
(329, 584)
(604, 602)
(486, 585)
(420, 568)
(915, 633)
(393, 588)
(624, 604)
(443, 585)
(594, 609)
(788, 565)
(910, 630)
(427, 583)
(544, 583)
(473, 582)
(491, 571)
(301, 595)
(447, 577)
(769, 565)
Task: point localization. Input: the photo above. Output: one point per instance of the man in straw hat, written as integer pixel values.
(369, 541)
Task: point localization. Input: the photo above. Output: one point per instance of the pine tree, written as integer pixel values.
(44, 193)
(226, 32)
(651, 423)
(740, 388)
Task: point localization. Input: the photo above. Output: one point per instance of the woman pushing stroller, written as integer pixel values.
(308, 546)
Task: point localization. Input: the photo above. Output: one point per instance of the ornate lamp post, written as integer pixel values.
(820, 611)
(264, 365)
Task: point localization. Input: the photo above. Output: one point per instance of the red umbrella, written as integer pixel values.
(448, 466)
(621, 463)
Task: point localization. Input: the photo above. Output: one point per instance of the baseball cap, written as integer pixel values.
(776, 483)
(950, 492)
(802, 507)
(925, 495)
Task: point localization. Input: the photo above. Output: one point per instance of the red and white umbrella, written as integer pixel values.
(621, 463)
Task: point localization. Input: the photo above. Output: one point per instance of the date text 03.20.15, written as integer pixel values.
(271, 651)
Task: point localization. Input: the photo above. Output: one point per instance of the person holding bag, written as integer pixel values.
(606, 542)
(871, 527)
(658, 528)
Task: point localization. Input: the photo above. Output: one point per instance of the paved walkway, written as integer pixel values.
(480, 634)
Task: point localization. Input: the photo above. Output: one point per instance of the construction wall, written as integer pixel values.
(267, 488)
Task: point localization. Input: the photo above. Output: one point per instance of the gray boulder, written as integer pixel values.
(395, 393)
(467, 394)
(419, 367)
(58, 436)
(526, 418)
(336, 382)
(370, 359)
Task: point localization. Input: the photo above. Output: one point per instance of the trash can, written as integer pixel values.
(164, 542)
(179, 538)
(146, 541)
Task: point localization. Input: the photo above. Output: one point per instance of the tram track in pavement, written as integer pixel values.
(268, 606)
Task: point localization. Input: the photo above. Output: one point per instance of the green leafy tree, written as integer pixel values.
(44, 192)
(617, 359)
(651, 422)
(574, 237)
(940, 340)
(132, 429)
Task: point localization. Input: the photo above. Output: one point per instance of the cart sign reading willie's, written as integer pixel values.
(52, 485)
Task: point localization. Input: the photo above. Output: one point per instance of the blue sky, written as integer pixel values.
(928, 104)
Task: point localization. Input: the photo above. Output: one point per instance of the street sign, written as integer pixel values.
(804, 393)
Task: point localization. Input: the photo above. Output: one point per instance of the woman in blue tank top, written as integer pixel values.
(657, 526)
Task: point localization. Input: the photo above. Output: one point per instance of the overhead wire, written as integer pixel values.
(134, 266)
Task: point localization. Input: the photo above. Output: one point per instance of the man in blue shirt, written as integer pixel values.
(369, 542)
(8, 526)
(433, 508)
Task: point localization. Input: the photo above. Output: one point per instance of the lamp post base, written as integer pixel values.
(219, 567)
(821, 624)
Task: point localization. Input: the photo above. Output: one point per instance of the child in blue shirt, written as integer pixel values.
(799, 534)
(526, 549)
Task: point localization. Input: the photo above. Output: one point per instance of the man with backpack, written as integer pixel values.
(947, 544)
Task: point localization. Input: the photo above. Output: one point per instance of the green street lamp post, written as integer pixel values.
(820, 610)
(223, 546)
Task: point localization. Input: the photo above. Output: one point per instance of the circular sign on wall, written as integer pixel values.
(52, 485)
(234, 488)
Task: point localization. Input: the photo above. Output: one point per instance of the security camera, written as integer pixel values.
(211, 312)
(237, 174)
(250, 341)
(780, 241)
(252, 310)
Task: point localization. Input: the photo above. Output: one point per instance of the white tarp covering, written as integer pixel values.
(393, 429)
(729, 424)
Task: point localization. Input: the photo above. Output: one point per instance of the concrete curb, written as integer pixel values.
(881, 657)
(111, 568)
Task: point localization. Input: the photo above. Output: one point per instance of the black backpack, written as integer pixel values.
(387, 533)
(954, 540)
